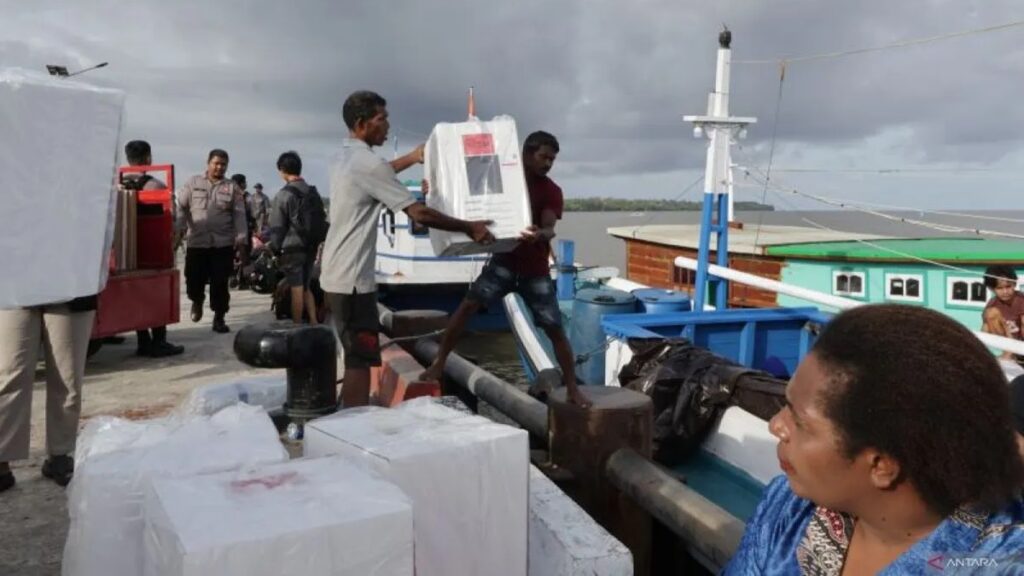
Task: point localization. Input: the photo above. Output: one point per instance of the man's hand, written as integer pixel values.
(576, 397)
(419, 152)
(425, 186)
(176, 238)
(240, 241)
(479, 232)
(530, 235)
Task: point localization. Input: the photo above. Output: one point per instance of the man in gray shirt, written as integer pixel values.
(361, 183)
(212, 210)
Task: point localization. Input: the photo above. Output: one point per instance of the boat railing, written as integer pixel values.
(822, 299)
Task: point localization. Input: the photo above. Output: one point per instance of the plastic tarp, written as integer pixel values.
(313, 517)
(475, 171)
(116, 459)
(690, 387)
(58, 158)
(268, 392)
(466, 475)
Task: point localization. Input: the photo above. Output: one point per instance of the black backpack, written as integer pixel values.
(310, 219)
(136, 184)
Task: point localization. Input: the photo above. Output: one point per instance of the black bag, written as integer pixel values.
(690, 387)
(309, 220)
(136, 184)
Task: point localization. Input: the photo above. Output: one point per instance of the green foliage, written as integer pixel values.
(599, 204)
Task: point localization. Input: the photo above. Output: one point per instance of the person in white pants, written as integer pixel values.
(63, 332)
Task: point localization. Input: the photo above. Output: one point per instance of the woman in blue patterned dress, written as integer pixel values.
(899, 453)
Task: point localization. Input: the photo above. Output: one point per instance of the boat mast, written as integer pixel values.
(720, 128)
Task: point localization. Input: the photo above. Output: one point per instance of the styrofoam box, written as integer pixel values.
(565, 541)
(267, 391)
(116, 459)
(475, 171)
(467, 478)
(58, 155)
(311, 517)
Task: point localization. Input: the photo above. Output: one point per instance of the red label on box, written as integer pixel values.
(478, 144)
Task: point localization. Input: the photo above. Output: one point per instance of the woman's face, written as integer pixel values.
(809, 448)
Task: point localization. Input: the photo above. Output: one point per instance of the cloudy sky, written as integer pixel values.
(611, 78)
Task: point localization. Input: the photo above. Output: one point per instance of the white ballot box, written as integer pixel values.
(475, 171)
(466, 475)
(59, 143)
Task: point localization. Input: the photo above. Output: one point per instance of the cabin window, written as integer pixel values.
(966, 291)
(849, 283)
(904, 287)
(683, 276)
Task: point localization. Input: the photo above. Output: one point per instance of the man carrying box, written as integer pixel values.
(524, 270)
(361, 183)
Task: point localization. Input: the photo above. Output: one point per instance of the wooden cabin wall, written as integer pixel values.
(654, 265)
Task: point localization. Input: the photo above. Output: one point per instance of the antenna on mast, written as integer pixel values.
(471, 105)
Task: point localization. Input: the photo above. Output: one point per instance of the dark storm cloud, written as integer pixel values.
(612, 79)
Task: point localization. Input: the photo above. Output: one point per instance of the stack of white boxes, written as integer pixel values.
(467, 478)
(475, 172)
(115, 461)
(59, 144)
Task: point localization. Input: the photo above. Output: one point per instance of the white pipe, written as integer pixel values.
(1008, 344)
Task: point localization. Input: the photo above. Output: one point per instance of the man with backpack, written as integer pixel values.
(298, 225)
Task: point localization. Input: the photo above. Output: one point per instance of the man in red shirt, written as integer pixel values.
(524, 270)
(1002, 315)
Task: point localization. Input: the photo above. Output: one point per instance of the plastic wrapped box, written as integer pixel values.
(467, 478)
(475, 171)
(115, 460)
(268, 391)
(58, 157)
(313, 517)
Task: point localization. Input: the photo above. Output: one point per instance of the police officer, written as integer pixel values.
(152, 343)
(211, 209)
(259, 207)
(240, 278)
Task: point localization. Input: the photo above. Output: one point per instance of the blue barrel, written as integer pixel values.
(660, 301)
(586, 335)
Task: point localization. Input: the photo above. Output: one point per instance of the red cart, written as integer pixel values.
(148, 294)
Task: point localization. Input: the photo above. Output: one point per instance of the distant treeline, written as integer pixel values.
(633, 205)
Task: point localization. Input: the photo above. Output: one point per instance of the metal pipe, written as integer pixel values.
(1008, 344)
(711, 534)
(530, 413)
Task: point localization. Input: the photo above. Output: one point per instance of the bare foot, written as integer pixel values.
(432, 374)
(576, 397)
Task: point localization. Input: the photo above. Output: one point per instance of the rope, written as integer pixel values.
(861, 208)
(678, 197)
(771, 152)
(581, 358)
(412, 338)
(912, 257)
(890, 46)
(898, 252)
(906, 208)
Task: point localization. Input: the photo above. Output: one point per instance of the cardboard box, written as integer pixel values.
(467, 478)
(475, 171)
(58, 157)
(311, 517)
